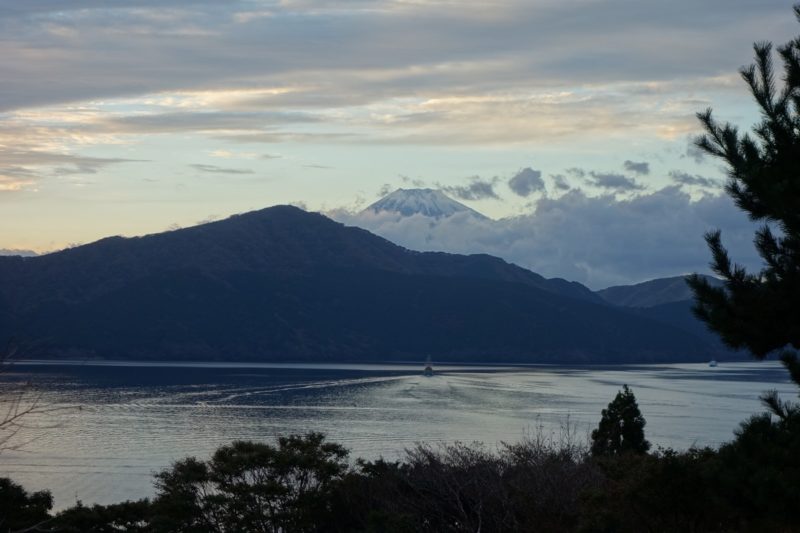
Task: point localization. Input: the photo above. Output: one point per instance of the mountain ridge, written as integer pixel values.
(227, 245)
(284, 284)
(652, 292)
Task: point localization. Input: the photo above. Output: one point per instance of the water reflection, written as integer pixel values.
(135, 419)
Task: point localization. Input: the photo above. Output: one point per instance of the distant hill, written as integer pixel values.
(669, 301)
(651, 293)
(282, 284)
(427, 202)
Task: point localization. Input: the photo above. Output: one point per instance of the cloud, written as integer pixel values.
(230, 154)
(23, 158)
(641, 168)
(617, 182)
(271, 137)
(23, 168)
(693, 152)
(416, 182)
(571, 78)
(596, 240)
(200, 121)
(13, 185)
(523, 71)
(477, 189)
(560, 182)
(214, 169)
(359, 48)
(576, 172)
(348, 73)
(684, 178)
(15, 171)
(13, 251)
(526, 181)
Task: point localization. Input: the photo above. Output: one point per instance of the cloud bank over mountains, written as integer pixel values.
(597, 240)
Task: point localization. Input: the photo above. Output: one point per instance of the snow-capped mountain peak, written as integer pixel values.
(427, 202)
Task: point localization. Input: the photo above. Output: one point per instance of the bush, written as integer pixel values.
(20, 510)
(126, 517)
(249, 486)
(534, 485)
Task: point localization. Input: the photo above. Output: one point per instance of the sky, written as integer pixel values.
(568, 122)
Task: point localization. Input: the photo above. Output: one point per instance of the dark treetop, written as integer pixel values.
(760, 311)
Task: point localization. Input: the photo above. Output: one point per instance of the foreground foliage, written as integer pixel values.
(303, 483)
(759, 311)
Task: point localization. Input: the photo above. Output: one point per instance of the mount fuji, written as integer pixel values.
(427, 202)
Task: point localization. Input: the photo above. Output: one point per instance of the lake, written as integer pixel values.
(117, 423)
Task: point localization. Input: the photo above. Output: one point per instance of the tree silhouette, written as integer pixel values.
(249, 486)
(621, 428)
(19, 404)
(760, 311)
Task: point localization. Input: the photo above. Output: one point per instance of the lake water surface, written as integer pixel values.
(121, 422)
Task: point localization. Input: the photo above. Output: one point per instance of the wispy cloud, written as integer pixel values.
(476, 189)
(684, 178)
(214, 169)
(13, 183)
(617, 182)
(639, 167)
(204, 121)
(24, 168)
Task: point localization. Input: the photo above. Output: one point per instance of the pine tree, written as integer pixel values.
(760, 311)
(621, 428)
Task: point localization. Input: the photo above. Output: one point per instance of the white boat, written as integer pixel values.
(428, 368)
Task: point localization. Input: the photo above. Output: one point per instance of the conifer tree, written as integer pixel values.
(760, 311)
(621, 428)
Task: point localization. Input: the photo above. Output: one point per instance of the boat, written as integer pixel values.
(428, 368)
(712, 363)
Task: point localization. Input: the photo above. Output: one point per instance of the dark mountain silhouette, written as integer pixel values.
(283, 284)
